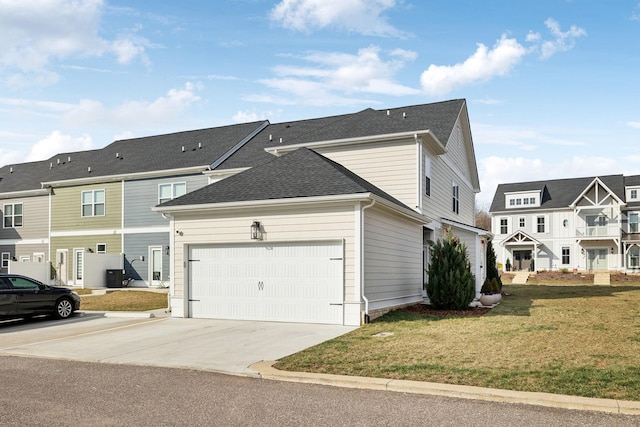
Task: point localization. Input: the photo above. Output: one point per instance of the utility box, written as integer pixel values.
(114, 278)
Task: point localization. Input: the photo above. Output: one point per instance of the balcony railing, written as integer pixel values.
(599, 231)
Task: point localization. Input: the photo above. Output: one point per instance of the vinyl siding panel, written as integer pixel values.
(113, 242)
(66, 208)
(141, 195)
(281, 224)
(391, 166)
(136, 245)
(393, 259)
(35, 219)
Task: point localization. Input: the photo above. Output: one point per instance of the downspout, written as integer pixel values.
(366, 301)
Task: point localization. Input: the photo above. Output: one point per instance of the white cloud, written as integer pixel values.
(138, 113)
(366, 72)
(634, 124)
(483, 65)
(35, 33)
(563, 41)
(523, 137)
(55, 143)
(357, 16)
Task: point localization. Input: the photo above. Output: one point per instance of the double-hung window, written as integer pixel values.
(170, 191)
(633, 222)
(93, 203)
(427, 175)
(504, 229)
(540, 223)
(12, 215)
(521, 222)
(456, 198)
(566, 258)
(6, 256)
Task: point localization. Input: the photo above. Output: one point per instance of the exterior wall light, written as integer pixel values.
(256, 230)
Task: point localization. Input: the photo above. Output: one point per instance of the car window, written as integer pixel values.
(21, 283)
(3, 284)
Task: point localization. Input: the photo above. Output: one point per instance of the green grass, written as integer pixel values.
(579, 340)
(125, 301)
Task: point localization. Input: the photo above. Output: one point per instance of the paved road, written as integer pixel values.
(47, 392)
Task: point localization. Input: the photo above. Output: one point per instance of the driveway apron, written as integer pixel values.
(228, 346)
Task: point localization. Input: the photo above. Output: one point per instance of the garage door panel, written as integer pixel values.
(301, 282)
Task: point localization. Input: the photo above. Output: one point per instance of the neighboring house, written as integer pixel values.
(575, 224)
(100, 201)
(327, 220)
(24, 235)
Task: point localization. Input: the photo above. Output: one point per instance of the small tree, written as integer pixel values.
(492, 266)
(451, 285)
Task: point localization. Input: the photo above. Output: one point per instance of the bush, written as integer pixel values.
(491, 286)
(492, 266)
(451, 285)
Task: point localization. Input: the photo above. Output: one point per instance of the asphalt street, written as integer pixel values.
(49, 392)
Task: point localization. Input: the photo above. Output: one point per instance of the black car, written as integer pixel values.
(21, 296)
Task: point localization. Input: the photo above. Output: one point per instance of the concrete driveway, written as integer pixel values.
(227, 346)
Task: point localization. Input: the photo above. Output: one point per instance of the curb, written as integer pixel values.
(266, 370)
(119, 314)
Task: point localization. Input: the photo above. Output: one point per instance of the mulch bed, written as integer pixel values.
(428, 310)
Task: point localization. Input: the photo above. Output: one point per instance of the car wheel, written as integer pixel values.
(63, 308)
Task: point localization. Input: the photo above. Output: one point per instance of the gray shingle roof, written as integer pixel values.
(558, 193)
(23, 176)
(439, 117)
(301, 173)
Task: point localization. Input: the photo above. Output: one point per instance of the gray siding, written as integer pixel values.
(35, 219)
(141, 195)
(136, 245)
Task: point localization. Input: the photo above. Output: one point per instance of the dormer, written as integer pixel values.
(523, 199)
(632, 193)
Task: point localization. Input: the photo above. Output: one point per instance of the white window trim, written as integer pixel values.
(98, 251)
(5, 257)
(173, 190)
(13, 215)
(93, 203)
(455, 196)
(544, 224)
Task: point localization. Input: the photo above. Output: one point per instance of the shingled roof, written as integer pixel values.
(558, 193)
(438, 117)
(301, 173)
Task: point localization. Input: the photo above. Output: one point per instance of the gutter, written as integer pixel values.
(426, 135)
(364, 297)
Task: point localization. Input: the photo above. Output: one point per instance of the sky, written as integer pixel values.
(552, 86)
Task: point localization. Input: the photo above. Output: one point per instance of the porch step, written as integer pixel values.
(520, 278)
(602, 279)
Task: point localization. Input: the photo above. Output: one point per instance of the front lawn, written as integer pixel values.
(579, 340)
(124, 301)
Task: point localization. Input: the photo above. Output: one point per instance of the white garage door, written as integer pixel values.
(293, 282)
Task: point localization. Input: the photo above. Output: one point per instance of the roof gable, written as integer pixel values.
(302, 173)
(596, 194)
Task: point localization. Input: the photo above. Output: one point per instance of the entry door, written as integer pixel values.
(522, 260)
(597, 259)
(78, 266)
(155, 266)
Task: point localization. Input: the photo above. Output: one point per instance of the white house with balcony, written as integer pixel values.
(576, 224)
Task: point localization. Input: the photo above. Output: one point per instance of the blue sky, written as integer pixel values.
(552, 85)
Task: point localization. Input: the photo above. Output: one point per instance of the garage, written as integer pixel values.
(283, 282)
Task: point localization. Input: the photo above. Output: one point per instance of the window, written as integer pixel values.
(518, 202)
(540, 224)
(633, 223)
(522, 222)
(101, 248)
(427, 176)
(503, 226)
(532, 200)
(566, 259)
(13, 215)
(22, 283)
(634, 257)
(93, 203)
(168, 192)
(634, 194)
(525, 201)
(512, 202)
(6, 256)
(456, 198)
